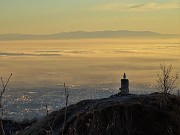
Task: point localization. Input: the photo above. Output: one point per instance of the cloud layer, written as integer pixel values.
(135, 7)
(25, 54)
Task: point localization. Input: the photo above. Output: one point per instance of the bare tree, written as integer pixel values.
(167, 79)
(66, 107)
(1, 102)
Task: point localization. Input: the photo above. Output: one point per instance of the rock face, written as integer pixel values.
(117, 115)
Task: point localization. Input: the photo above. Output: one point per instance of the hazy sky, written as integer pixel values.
(54, 16)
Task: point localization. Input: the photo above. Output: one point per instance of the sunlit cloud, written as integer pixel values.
(135, 7)
(154, 6)
(27, 54)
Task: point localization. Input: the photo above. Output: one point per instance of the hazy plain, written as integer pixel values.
(86, 63)
(92, 68)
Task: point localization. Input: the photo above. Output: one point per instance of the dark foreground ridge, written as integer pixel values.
(117, 115)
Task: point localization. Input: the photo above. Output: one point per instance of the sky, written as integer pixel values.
(55, 16)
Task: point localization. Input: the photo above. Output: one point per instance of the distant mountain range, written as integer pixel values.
(87, 35)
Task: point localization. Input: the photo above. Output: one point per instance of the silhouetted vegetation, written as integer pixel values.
(117, 115)
(4, 85)
(66, 107)
(12, 127)
(167, 80)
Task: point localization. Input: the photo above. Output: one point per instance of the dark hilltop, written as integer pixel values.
(117, 115)
(120, 114)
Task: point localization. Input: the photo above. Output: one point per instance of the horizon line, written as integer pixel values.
(89, 32)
